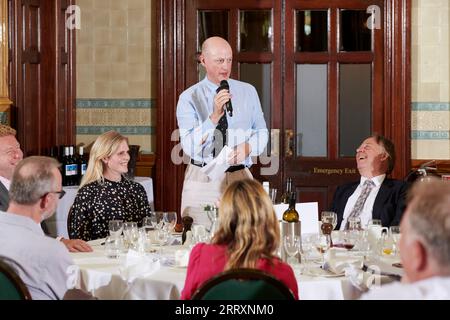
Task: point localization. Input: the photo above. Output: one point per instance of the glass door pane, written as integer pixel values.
(312, 30)
(355, 35)
(312, 107)
(256, 31)
(355, 106)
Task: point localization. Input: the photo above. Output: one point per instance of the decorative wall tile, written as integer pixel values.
(433, 121)
(430, 149)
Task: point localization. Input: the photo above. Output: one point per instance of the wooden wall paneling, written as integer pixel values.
(42, 85)
(5, 102)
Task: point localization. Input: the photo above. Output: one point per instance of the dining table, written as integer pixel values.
(103, 278)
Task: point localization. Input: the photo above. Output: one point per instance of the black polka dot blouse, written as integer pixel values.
(98, 203)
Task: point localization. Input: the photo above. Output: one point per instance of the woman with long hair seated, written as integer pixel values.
(248, 236)
(105, 193)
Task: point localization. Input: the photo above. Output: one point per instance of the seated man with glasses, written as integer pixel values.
(34, 194)
(10, 155)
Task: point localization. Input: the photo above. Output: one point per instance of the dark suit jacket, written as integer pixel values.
(4, 197)
(388, 206)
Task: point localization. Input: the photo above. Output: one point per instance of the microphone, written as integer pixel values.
(224, 86)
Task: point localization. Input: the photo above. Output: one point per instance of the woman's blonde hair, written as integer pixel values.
(248, 225)
(104, 146)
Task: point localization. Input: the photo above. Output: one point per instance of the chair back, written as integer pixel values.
(11, 286)
(243, 284)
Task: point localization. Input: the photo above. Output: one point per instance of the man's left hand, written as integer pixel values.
(240, 153)
(76, 245)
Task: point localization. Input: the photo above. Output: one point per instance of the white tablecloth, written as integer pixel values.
(100, 276)
(57, 224)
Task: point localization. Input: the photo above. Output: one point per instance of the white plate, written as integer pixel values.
(319, 272)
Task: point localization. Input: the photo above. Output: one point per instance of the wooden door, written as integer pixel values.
(334, 81)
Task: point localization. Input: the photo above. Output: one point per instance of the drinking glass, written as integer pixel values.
(170, 220)
(115, 228)
(387, 244)
(147, 224)
(113, 247)
(273, 195)
(159, 218)
(131, 233)
(349, 239)
(394, 232)
(354, 223)
(292, 246)
(321, 244)
(329, 217)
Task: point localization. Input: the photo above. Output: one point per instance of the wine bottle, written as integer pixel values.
(82, 164)
(287, 192)
(291, 214)
(65, 166)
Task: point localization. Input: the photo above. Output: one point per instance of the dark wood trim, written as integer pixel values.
(398, 83)
(171, 82)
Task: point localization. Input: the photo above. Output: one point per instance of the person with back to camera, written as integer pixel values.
(424, 246)
(105, 193)
(248, 236)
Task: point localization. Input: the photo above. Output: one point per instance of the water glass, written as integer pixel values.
(394, 232)
(273, 195)
(329, 217)
(113, 247)
(354, 223)
(170, 220)
(115, 228)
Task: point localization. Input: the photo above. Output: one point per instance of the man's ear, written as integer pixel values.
(201, 58)
(419, 252)
(43, 202)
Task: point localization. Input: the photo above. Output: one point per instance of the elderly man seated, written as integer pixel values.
(374, 196)
(424, 246)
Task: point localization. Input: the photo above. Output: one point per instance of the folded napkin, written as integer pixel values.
(182, 258)
(138, 265)
(339, 264)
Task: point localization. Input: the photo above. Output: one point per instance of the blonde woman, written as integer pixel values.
(248, 237)
(105, 194)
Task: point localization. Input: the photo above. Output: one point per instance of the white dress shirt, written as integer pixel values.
(5, 182)
(366, 213)
(435, 288)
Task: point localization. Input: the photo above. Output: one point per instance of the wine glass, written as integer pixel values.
(170, 220)
(147, 224)
(322, 245)
(115, 228)
(158, 220)
(292, 246)
(273, 195)
(329, 217)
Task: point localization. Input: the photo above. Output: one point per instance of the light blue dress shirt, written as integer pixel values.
(247, 124)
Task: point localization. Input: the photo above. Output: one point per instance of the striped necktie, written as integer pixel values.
(359, 205)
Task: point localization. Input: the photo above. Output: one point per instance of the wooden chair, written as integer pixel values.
(11, 286)
(243, 284)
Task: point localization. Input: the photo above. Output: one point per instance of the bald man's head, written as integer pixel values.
(217, 58)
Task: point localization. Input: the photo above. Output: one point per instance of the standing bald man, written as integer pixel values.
(206, 125)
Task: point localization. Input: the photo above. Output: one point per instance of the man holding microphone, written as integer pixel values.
(215, 112)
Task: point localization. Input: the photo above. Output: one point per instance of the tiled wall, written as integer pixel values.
(114, 77)
(430, 79)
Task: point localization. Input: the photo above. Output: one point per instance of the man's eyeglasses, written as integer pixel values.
(61, 193)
